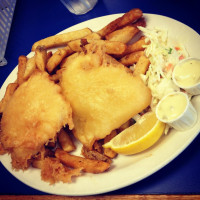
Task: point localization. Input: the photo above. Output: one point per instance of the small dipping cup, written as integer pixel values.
(177, 111)
(190, 82)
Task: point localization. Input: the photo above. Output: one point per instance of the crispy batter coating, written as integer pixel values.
(54, 171)
(34, 114)
(103, 95)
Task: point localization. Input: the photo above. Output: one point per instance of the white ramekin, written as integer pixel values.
(194, 89)
(184, 121)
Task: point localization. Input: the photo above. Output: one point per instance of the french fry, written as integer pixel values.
(139, 22)
(8, 94)
(76, 45)
(56, 77)
(37, 164)
(107, 151)
(21, 69)
(65, 141)
(30, 67)
(111, 60)
(115, 48)
(88, 165)
(94, 155)
(127, 18)
(57, 57)
(141, 66)
(49, 54)
(131, 58)
(97, 146)
(111, 47)
(125, 125)
(41, 57)
(61, 39)
(137, 46)
(93, 36)
(123, 35)
(67, 59)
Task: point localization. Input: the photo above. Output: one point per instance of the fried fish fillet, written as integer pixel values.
(35, 113)
(103, 95)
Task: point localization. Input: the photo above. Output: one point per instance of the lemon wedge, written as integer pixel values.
(138, 137)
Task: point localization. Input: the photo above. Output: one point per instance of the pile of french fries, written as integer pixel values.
(122, 42)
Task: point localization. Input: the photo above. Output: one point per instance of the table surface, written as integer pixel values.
(36, 19)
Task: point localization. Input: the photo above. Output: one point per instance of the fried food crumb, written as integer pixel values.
(54, 171)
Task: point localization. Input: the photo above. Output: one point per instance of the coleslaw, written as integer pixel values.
(163, 54)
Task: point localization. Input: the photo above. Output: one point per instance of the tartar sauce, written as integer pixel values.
(171, 107)
(187, 73)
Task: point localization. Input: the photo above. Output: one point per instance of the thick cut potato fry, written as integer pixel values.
(88, 165)
(124, 126)
(113, 61)
(61, 39)
(67, 59)
(22, 60)
(8, 94)
(49, 54)
(98, 146)
(56, 77)
(41, 57)
(127, 18)
(57, 57)
(123, 35)
(93, 36)
(137, 46)
(140, 22)
(76, 45)
(115, 48)
(141, 66)
(37, 164)
(110, 136)
(107, 151)
(94, 155)
(30, 67)
(111, 47)
(131, 58)
(65, 141)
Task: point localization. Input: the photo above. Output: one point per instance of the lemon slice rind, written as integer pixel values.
(143, 143)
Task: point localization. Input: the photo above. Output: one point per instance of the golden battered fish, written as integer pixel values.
(103, 95)
(34, 114)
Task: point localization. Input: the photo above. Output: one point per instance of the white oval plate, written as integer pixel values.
(125, 170)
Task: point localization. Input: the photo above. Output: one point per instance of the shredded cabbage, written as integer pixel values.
(163, 56)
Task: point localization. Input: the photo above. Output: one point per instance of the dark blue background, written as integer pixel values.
(36, 19)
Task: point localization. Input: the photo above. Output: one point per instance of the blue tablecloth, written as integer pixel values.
(36, 19)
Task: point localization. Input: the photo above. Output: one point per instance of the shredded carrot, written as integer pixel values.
(169, 67)
(181, 57)
(177, 48)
